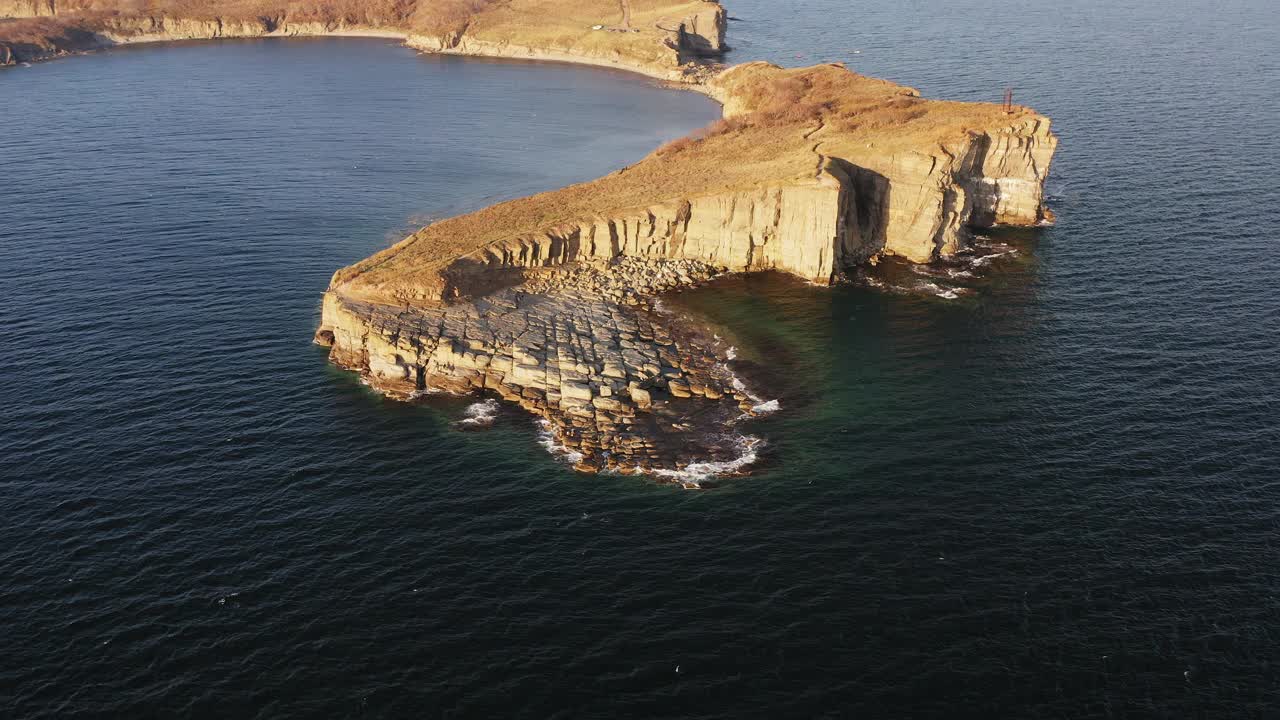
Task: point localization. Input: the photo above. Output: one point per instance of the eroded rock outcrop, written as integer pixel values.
(702, 30)
(922, 204)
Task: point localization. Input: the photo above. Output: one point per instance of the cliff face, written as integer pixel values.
(914, 205)
(813, 171)
(920, 205)
(702, 31)
(771, 227)
(917, 205)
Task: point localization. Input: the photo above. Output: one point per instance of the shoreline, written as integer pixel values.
(691, 75)
(420, 43)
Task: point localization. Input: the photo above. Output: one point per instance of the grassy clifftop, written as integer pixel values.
(781, 127)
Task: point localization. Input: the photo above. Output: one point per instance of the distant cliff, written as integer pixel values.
(663, 35)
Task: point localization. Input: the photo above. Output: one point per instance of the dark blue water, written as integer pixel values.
(1053, 496)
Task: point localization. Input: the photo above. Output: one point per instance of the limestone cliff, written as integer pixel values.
(701, 32)
(866, 168)
(769, 227)
(921, 204)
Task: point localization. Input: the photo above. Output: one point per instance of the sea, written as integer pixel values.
(1040, 480)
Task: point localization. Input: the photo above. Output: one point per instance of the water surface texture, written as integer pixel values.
(1036, 482)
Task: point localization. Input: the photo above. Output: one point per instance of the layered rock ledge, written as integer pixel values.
(548, 301)
(581, 345)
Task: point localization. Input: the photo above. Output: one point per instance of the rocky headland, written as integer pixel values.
(548, 301)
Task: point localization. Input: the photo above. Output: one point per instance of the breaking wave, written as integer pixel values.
(984, 260)
(765, 408)
(692, 475)
(760, 406)
(547, 439)
(479, 415)
(946, 293)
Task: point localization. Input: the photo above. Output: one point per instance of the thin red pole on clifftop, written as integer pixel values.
(1008, 101)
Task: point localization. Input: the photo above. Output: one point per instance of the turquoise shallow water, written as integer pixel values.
(1052, 496)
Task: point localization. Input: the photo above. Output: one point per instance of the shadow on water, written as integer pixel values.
(862, 351)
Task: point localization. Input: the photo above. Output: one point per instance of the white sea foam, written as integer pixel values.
(731, 353)
(765, 408)
(984, 260)
(879, 284)
(547, 439)
(939, 291)
(938, 272)
(759, 405)
(692, 475)
(481, 414)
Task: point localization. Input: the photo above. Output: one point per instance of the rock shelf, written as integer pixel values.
(623, 387)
